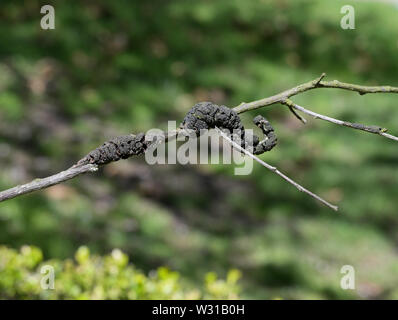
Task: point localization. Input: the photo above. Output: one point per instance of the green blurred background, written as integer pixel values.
(115, 67)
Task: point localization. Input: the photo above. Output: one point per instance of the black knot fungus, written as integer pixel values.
(118, 148)
(203, 115)
(270, 139)
(207, 115)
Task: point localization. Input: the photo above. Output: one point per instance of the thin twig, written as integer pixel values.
(275, 170)
(297, 115)
(389, 136)
(358, 126)
(38, 184)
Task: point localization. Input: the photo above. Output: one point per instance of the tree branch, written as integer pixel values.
(282, 98)
(38, 184)
(314, 84)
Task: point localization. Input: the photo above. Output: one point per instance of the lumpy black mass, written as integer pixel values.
(206, 115)
(203, 115)
(118, 148)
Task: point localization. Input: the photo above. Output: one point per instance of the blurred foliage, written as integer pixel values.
(114, 67)
(94, 277)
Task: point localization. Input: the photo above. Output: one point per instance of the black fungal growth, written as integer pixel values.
(270, 138)
(206, 115)
(203, 115)
(118, 148)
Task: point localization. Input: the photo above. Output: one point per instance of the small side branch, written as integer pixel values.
(297, 115)
(38, 184)
(275, 170)
(371, 129)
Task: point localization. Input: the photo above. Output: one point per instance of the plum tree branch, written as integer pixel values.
(314, 84)
(282, 98)
(38, 184)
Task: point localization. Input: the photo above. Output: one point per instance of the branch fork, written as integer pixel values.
(281, 98)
